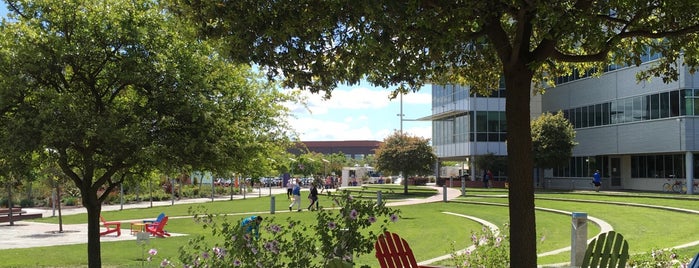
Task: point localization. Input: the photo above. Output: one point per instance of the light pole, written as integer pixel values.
(291, 169)
(325, 167)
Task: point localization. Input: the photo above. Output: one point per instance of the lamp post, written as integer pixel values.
(291, 170)
(325, 167)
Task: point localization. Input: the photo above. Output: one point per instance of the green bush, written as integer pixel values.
(26, 203)
(70, 201)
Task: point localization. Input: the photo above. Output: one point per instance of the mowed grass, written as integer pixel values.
(431, 229)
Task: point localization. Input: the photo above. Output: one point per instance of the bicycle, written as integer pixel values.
(677, 186)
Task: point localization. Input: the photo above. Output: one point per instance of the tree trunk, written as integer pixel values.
(9, 200)
(94, 208)
(520, 166)
(58, 205)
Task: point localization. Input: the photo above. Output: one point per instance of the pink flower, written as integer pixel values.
(372, 219)
(153, 251)
(164, 263)
(237, 263)
(331, 225)
(394, 218)
(274, 228)
(353, 214)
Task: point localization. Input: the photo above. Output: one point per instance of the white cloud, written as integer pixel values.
(359, 113)
(321, 130)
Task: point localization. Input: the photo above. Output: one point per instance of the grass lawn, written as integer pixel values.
(427, 227)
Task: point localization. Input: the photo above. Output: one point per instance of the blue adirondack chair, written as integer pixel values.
(158, 219)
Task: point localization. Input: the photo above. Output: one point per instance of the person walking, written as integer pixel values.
(252, 225)
(313, 196)
(296, 196)
(596, 180)
(486, 177)
(289, 188)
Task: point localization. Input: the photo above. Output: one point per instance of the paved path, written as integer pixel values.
(26, 234)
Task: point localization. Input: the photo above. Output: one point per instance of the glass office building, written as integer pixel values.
(640, 135)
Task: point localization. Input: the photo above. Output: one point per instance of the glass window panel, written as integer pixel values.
(654, 104)
(493, 121)
(668, 166)
(617, 111)
(481, 121)
(598, 115)
(606, 107)
(664, 105)
(638, 108)
(578, 117)
(678, 167)
(650, 167)
(628, 110)
(686, 102)
(585, 117)
(674, 103)
(503, 122)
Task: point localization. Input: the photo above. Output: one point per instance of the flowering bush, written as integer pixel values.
(490, 249)
(336, 234)
(658, 258)
(164, 263)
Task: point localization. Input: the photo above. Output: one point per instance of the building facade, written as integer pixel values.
(640, 135)
(354, 149)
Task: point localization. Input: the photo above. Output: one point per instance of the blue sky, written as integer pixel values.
(362, 112)
(359, 112)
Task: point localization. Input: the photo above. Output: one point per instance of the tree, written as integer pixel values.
(316, 45)
(553, 139)
(410, 155)
(489, 161)
(111, 86)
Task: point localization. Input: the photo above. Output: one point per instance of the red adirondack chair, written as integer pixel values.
(156, 229)
(392, 251)
(112, 226)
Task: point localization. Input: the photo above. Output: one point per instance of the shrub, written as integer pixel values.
(658, 258)
(26, 203)
(490, 249)
(336, 235)
(70, 201)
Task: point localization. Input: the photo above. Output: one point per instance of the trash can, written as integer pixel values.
(578, 238)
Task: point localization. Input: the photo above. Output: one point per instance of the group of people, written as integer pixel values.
(293, 193)
(252, 224)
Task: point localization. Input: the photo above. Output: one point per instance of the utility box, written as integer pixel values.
(578, 238)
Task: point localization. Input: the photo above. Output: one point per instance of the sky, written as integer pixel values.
(359, 112)
(362, 112)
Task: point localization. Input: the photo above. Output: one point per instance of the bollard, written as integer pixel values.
(271, 205)
(378, 198)
(444, 192)
(578, 238)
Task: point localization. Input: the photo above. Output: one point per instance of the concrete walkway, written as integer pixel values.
(26, 234)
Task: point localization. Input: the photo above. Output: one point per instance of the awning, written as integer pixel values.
(440, 116)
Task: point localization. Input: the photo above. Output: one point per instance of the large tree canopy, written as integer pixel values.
(318, 44)
(105, 87)
(553, 139)
(410, 155)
